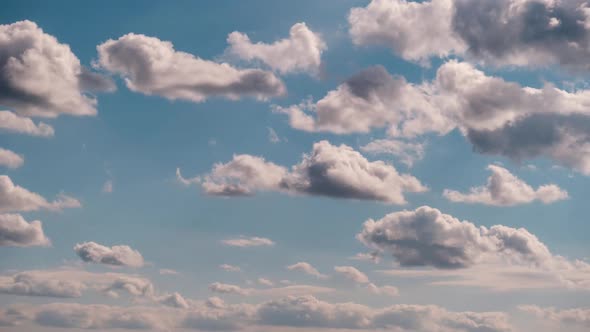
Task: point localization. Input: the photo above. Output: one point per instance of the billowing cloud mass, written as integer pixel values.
(307, 269)
(496, 116)
(12, 123)
(10, 159)
(244, 242)
(505, 189)
(16, 198)
(427, 237)
(153, 67)
(352, 273)
(531, 33)
(41, 77)
(568, 318)
(121, 255)
(329, 170)
(301, 52)
(15, 231)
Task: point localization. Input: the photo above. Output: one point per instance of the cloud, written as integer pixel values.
(10, 159)
(427, 237)
(505, 189)
(383, 290)
(16, 198)
(168, 272)
(245, 242)
(329, 170)
(575, 317)
(108, 187)
(352, 273)
(41, 77)
(529, 33)
(12, 123)
(174, 300)
(121, 255)
(218, 287)
(307, 269)
(153, 67)
(15, 231)
(301, 52)
(265, 282)
(272, 136)
(407, 152)
(230, 268)
(184, 181)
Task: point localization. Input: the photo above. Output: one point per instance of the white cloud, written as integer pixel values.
(10, 159)
(121, 255)
(567, 318)
(307, 269)
(230, 268)
(272, 136)
(168, 272)
(15, 231)
(42, 77)
(153, 67)
(108, 187)
(185, 181)
(301, 52)
(407, 152)
(12, 123)
(16, 198)
(265, 282)
(245, 242)
(383, 290)
(352, 273)
(329, 170)
(505, 189)
(222, 288)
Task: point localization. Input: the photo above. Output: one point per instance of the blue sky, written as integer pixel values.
(143, 132)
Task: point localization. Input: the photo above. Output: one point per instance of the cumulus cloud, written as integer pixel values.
(301, 52)
(245, 242)
(12, 123)
(383, 290)
(153, 67)
(307, 269)
(575, 317)
(527, 33)
(497, 117)
(15, 231)
(230, 268)
(222, 288)
(42, 77)
(352, 273)
(407, 152)
(16, 198)
(505, 189)
(121, 255)
(329, 170)
(265, 282)
(291, 290)
(10, 159)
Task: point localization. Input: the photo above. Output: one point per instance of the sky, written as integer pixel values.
(383, 165)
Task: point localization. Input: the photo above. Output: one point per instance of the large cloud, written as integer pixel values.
(41, 77)
(16, 198)
(497, 117)
(567, 318)
(10, 159)
(505, 189)
(15, 231)
(502, 33)
(329, 170)
(121, 255)
(302, 51)
(153, 67)
(10, 122)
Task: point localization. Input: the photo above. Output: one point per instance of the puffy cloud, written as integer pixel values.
(132, 285)
(576, 317)
(15, 231)
(496, 116)
(502, 33)
(329, 170)
(12, 123)
(153, 67)
(33, 283)
(427, 237)
(222, 288)
(352, 273)
(121, 255)
(16, 198)
(407, 152)
(10, 159)
(307, 269)
(301, 52)
(245, 242)
(230, 268)
(42, 77)
(174, 300)
(383, 290)
(265, 282)
(505, 189)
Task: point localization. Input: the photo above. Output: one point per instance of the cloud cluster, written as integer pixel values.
(16, 198)
(121, 255)
(531, 33)
(505, 189)
(12, 123)
(10, 159)
(15, 231)
(153, 67)
(576, 317)
(41, 77)
(329, 170)
(301, 52)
